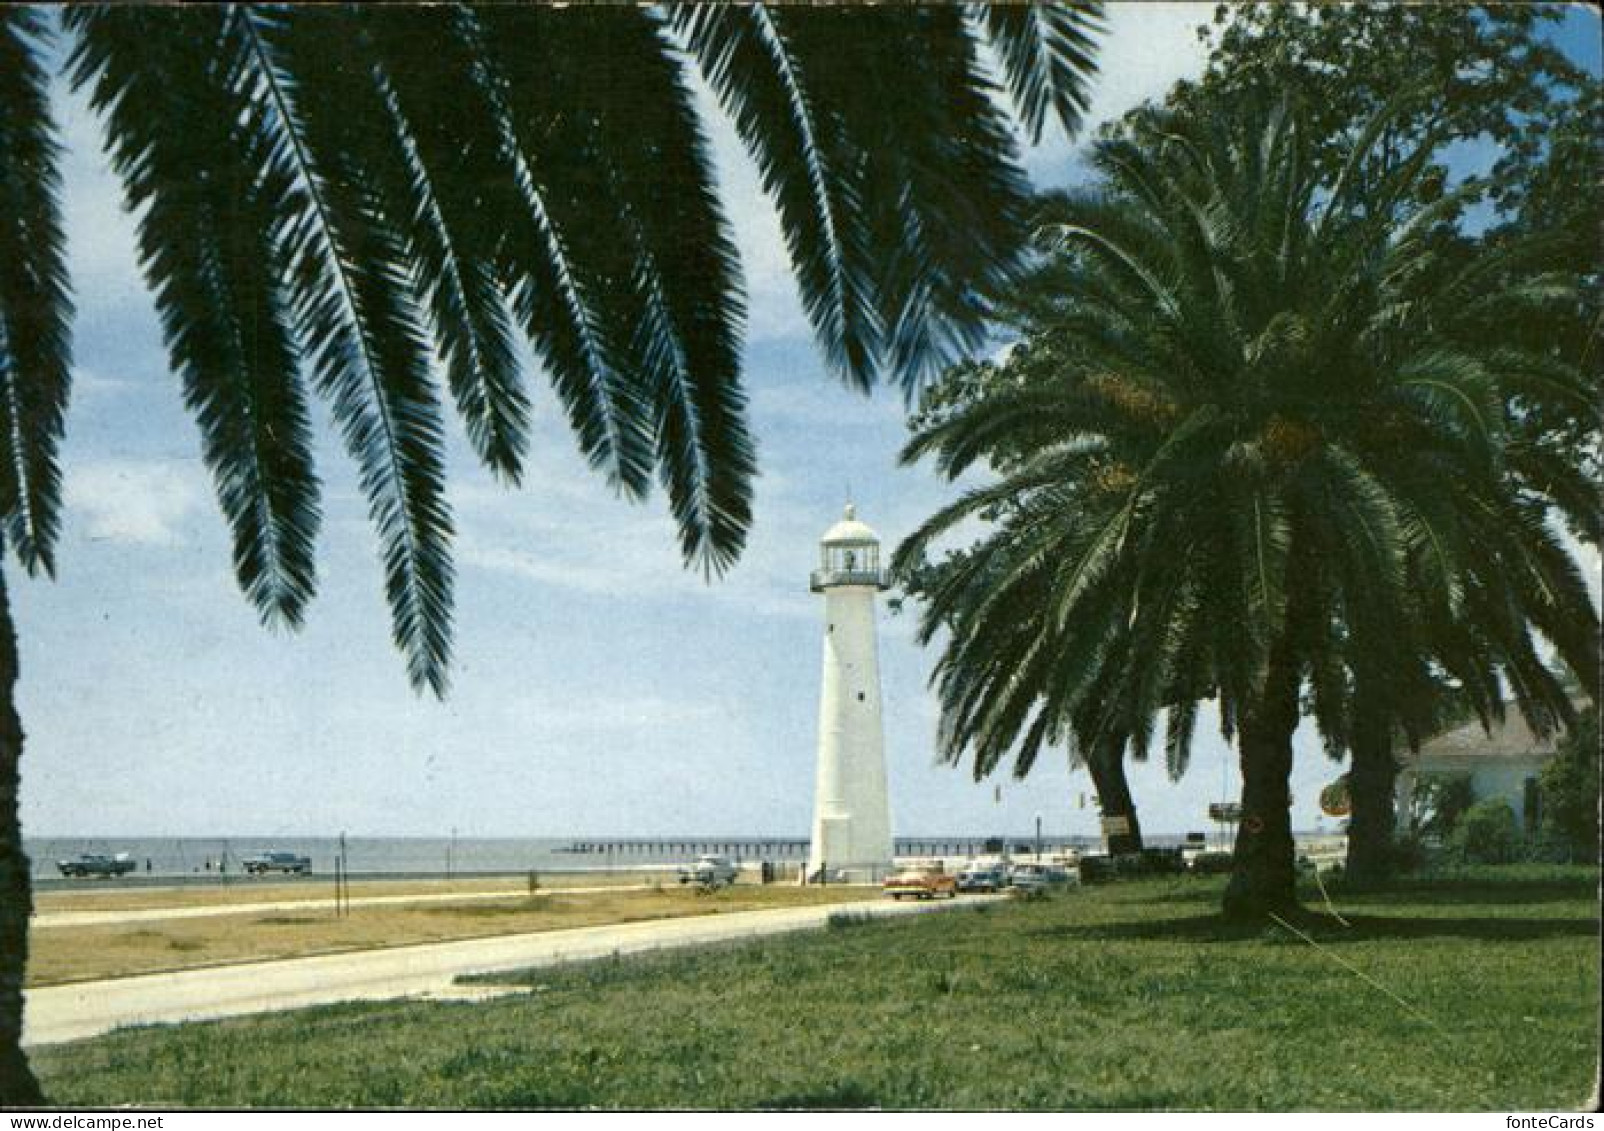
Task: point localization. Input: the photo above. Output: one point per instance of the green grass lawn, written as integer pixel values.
(1131, 996)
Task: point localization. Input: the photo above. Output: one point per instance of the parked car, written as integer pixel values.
(96, 864)
(710, 871)
(983, 877)
(922, 881)
(1034, 879)
(290, 863)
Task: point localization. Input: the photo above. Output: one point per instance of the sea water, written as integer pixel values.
(434, 856)
(444, 855)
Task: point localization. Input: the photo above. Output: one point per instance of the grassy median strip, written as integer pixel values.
(72, 954)
(90, 895)
(1132, 996)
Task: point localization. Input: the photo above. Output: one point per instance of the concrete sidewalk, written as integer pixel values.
(55, 1014)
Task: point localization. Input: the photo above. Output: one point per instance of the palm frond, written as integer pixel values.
(1458, 390)
(686, 265)
(1048, 53)
(1339, 194)
(1180, 727)
(1044, 471)
(209, 240)
(35, 299)
(356, 302)
(806, 159)
(1266, 548)
(930, 214)
(464, 208)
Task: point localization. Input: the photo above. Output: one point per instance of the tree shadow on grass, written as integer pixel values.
(1416, 892)
(1448, 892)
(1326, 929)
(840, 1095)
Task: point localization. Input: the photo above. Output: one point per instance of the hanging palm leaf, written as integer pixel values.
(365, 204)
(35, 307)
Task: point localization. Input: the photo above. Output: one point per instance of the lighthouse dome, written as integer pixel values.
(849, 531)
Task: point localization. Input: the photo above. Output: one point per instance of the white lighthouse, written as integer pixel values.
(851, 811)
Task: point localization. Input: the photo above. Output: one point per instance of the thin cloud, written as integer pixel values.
(138, 502)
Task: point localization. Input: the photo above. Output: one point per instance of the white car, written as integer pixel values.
(1030, 879)
(711, 871)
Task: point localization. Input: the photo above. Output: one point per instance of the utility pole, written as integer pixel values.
(342, 883)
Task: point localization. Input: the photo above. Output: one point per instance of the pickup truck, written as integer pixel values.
(286, 862)
(96, 864)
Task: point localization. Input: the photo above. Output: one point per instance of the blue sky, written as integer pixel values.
(600, 689)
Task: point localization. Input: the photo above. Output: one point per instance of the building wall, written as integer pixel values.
(1502, 776)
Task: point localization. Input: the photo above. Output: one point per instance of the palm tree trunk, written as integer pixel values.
(18, 1087)
(1107, 767)
(1371, 783)
(1264, 873)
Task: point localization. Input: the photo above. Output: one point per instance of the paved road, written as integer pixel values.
(148, 914)
(140, 881)
(66, 1013)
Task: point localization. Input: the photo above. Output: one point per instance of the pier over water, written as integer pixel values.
(792, 848)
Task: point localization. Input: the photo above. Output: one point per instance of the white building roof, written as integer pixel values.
(1511, 739)
(849, 531)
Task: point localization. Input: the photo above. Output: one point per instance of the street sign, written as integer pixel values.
(1225, 811)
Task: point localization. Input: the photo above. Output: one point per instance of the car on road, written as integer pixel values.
(710, 871)
(96, 864)
(983, 877)
(289, 863)
(921, 881)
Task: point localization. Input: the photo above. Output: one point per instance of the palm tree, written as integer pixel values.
(1245, 442)
(996, 662)
(1467, 631)
(331, 198)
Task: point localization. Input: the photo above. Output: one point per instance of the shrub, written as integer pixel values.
(1409, 853)
(1440, 800)
(1570, 796)
(1487, 834)
(848, 920)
